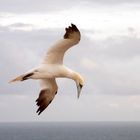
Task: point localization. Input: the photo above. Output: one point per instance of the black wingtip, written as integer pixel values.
(27, 76)
(43, 100)
(74, 27)
(38, 113)
(69, 30)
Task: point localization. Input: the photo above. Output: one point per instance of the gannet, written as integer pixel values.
(52, 67)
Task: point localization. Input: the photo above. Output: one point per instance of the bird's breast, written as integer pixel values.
(51, 71)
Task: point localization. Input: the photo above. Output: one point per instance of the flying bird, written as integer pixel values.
(52, 67)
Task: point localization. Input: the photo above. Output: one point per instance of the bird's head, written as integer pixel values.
(79, 83)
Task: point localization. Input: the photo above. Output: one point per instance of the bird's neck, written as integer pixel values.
(75, 76)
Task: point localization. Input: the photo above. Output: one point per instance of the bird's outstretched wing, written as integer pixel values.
(56, 52)
(47, 93)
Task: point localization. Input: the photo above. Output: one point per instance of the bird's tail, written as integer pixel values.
(21, 77)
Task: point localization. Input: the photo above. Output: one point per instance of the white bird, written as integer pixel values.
(52, 67)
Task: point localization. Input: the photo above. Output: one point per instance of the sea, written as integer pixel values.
(70, 131)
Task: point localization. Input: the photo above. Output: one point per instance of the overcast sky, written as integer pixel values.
(108, 57)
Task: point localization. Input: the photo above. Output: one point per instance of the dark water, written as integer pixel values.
(70, 131)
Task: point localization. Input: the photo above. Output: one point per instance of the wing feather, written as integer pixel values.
(56, 52)
(47, 94)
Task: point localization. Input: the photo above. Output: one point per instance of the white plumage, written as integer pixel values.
(52, 67)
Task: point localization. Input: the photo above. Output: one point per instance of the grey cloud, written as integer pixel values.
(121, 47)
(16, 26)
(116, 68)
(20, 25)
(25, 6)
(3, 28)
(114, 1)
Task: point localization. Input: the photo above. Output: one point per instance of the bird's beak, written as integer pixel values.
(79, 87)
